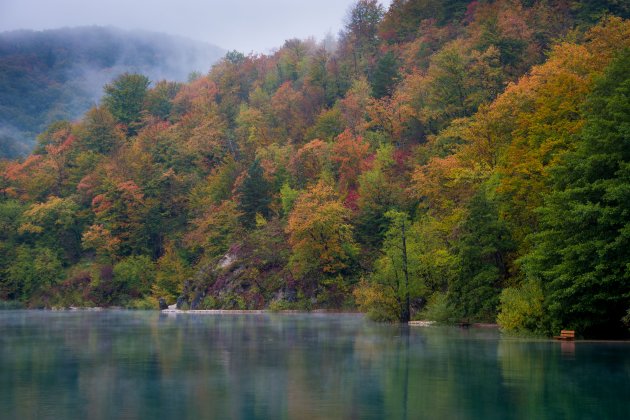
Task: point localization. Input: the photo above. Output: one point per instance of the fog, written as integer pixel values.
(59, 74)
(244, 25)
(81, 58)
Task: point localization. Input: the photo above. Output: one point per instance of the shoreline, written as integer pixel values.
(255, 311)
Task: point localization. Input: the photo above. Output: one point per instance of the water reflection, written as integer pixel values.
(147, 365)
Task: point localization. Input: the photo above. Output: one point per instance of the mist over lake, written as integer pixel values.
(121, 364)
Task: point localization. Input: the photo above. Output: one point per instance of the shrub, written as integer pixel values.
(147, 303)
(135, 275)
(521, 308)
(438, 309)
(209, 302)
(285, 305)
(379, 303)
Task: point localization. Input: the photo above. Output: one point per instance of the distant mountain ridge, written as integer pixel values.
(58, 74)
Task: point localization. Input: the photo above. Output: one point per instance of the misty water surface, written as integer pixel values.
(118, 364)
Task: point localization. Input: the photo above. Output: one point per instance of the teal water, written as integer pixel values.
(145, 365)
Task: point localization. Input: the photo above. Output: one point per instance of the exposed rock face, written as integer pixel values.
(227, 260)
(250, 275)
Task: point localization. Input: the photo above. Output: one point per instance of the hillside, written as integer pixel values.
(59, 74)
(445, 161)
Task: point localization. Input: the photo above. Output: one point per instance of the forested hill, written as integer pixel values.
(59, 74)
(441, 160)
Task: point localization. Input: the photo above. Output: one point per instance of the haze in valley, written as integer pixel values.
(243, 25)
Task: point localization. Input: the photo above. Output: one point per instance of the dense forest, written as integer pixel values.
(438, 160)
(58, 74)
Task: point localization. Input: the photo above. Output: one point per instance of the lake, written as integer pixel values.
(135, 365)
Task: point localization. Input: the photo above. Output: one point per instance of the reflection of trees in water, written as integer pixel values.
(137, 364)
(585, 380)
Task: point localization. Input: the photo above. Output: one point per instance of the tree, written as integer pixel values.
(349, 153)
(124, 98)
(98, 131)
(100, 239)
(215, 230)
(415, 263)
(288, 107)
(385, 75)
(396, 276)
(361, 33)
(208, 144)
(122, 212)
(254, 195)
(309, 161)
(398, 231)
(353, 105)
(446, 98)
(582, 250)
(329, 124)
(34, 270)
(403, 18)
(159, 100)
(482, 248)
(10, 215)
(172, 271)
(59, 153)
(52, 135)
(53, 224)
(378, 193)
(287, 197)
(320, 235)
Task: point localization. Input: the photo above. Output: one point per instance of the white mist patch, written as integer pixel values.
(59, 74)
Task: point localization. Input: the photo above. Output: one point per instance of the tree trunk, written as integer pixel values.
(405, 314)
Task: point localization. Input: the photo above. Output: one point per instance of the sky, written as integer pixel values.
(245, 25)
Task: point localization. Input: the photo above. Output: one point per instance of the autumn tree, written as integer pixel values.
(288, 107)
(353, 106)
(54, 223)
(214, 230)
(309, 162)
(171, 272)
(121, 210)
(349, 153)
(320, 236)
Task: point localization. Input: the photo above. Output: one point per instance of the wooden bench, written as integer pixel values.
(566, 335)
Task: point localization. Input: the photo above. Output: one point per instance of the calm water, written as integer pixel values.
(119, 364)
